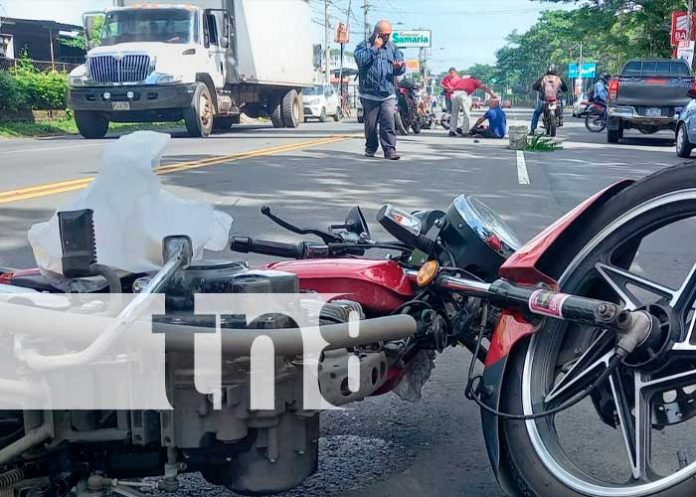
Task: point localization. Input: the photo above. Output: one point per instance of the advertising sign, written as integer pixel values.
(412, 38)
(685, 51)
(589, 70)
(413, 65)
(680, 26)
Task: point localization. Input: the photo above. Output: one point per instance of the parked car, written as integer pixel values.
(321, 102)
(580, 106)
(648, 96)
(685, 136)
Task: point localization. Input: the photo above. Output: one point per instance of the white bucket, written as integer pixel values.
(518, 137)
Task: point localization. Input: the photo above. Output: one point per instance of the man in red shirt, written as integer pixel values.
(447, 88)
(462, 89)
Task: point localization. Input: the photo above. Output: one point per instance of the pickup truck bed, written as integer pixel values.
(648, 96)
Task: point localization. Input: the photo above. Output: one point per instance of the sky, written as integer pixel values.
(465, 32)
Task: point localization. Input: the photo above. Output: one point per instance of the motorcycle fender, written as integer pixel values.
(527, 266)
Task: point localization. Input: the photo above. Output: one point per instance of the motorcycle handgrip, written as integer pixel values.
(246, 245)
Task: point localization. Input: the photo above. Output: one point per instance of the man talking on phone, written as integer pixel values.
(379, 61)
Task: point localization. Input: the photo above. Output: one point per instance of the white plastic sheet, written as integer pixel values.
(132, 212)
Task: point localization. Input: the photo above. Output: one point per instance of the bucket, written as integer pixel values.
(518, 137)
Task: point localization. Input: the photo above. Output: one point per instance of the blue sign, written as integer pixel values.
(589, 70)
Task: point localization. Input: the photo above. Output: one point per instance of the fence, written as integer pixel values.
(42, 65)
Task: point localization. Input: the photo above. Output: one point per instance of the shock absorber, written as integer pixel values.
(8, 480)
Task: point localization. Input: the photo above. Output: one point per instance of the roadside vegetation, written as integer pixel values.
(66, 126)
(609, 32)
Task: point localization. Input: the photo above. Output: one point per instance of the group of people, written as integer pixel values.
(380, 63)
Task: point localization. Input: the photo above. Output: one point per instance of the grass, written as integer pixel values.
(541, 143)
(23, 129)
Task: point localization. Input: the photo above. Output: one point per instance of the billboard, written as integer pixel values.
(680, 26)
(412, 38)
(413, 65)
(589, 70)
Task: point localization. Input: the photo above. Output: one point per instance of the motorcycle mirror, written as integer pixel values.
(356, 224)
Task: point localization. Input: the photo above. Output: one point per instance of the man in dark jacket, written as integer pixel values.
(379, 61)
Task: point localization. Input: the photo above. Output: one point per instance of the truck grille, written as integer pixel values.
(126, 69)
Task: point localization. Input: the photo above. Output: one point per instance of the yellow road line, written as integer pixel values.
(78, 184)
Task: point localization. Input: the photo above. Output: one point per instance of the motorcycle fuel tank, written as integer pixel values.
(378, 285)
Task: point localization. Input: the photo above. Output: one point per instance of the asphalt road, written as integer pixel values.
(383, 446)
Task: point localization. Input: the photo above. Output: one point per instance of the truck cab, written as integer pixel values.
(168, 62)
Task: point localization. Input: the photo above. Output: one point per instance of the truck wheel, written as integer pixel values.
(276, 113)
(613, 135)
(322, 116)
(291, 106)
(199, 115)
(91, 125)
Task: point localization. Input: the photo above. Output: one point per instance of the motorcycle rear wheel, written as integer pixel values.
(601, 263)
(595, 121)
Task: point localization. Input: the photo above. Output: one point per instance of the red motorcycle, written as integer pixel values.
(576, 336)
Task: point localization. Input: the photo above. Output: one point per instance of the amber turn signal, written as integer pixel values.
(427, 273)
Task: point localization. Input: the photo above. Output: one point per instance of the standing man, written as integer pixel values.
(379, 61)
(461, 101)
(447, 88)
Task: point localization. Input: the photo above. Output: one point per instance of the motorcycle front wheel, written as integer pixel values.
(399, 123)
(635, 436)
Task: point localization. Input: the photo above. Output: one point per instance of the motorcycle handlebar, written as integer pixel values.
(246, 245)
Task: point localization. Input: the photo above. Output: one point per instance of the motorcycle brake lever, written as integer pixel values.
(326, 237)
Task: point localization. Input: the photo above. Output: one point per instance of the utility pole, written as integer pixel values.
(327, 46)
(366, 9)
(580, 71)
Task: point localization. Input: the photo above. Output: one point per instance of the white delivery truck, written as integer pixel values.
(204, 61)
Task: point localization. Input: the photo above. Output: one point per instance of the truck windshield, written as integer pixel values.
(136, 25)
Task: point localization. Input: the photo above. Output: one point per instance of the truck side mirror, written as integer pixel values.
(93, 23)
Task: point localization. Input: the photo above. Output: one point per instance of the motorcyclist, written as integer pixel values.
(600, 91)
(550, 84)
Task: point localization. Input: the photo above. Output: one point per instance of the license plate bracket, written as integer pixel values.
(120, 105)
(653, 112)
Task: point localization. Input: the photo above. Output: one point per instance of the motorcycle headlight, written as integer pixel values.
(477, 238)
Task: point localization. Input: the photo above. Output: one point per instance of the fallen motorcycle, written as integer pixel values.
(408, 116)
(558, 323)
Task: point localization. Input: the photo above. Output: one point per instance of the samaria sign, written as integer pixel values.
(412, 39)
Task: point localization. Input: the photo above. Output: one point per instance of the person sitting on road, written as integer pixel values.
(497, 122)
(463, 88)
(550, 84)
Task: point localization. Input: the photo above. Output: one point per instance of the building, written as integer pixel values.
(42, 40)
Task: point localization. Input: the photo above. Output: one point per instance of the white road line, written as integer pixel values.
(522, 175)
(23, 150)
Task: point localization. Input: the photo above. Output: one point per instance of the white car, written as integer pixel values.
(320, 102)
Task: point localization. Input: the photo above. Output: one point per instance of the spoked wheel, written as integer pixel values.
(635, 436)
(595, 121)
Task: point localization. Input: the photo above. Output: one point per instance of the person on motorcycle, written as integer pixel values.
(497, 122)
(447, 88)
(549, 85)
(600, 91)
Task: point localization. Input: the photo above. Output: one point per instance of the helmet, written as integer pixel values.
(552, 69)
